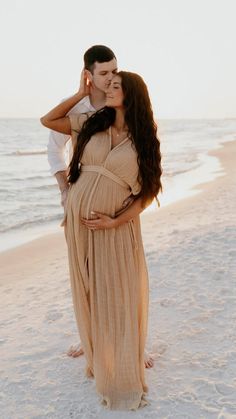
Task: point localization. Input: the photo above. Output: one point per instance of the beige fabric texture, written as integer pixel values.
(108, 271)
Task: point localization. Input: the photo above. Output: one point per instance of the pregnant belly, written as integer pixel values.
(94, 192)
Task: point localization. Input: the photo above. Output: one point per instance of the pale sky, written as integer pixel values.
(184, 50)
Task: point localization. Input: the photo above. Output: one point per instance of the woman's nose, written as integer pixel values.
(108, 89)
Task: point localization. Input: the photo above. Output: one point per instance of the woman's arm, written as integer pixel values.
(56, 119)
(132, 211)
(103, 221)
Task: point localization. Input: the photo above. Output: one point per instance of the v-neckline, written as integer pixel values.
(110, 138)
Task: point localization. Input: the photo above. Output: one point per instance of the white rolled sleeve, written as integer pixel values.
(56, 146)
(56, 151)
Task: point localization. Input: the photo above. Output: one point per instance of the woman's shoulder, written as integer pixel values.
(77, 120)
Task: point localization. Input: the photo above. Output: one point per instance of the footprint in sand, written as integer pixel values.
(32, 331)
(158, 348)
(225, 389)
(188, 396)
(7, 291)
(51, 316)
(225, 414)
(166, 302)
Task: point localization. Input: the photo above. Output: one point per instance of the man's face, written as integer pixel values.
(103, 74)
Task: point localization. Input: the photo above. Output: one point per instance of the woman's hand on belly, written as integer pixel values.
(126, 203)
(102, 222)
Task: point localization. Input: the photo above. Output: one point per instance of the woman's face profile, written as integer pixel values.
(114, 93)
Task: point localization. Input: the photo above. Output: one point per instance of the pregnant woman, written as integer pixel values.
(116, 159)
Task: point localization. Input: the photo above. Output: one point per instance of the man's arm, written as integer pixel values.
(56, 148)
(56, 159)
(62, 181)
(56, 151)
(57, 145)
(57, 120)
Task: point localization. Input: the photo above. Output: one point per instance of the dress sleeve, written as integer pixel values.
(136, 187)
(76, 122)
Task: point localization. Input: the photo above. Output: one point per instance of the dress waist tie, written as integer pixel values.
(105, 172)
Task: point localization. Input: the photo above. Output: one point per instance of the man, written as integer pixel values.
(100, 66)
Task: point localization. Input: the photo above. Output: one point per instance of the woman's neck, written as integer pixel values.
(119, 123)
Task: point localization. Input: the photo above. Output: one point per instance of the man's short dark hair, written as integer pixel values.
(99, 53)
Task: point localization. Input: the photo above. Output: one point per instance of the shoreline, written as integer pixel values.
(201, 188)
(188, 191)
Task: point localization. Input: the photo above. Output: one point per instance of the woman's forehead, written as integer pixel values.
(116, 80)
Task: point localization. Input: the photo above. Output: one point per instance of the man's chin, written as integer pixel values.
(101, 89)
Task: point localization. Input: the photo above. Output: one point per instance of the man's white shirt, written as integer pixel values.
(57, 143)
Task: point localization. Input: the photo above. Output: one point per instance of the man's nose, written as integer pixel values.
(110, 77)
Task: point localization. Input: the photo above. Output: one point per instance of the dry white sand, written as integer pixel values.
(190, 248)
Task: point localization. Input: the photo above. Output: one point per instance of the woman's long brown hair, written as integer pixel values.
(143, 133)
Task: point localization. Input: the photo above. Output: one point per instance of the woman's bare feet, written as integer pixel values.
(75, 351)
(148, 360)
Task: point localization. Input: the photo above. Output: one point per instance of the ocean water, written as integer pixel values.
(29, 196)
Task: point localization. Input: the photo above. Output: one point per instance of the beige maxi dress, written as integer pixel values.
(108, 271)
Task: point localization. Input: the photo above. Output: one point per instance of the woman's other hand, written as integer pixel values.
(126, 203)
(102, 222)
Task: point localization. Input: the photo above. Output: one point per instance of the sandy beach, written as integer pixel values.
(190, 248)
